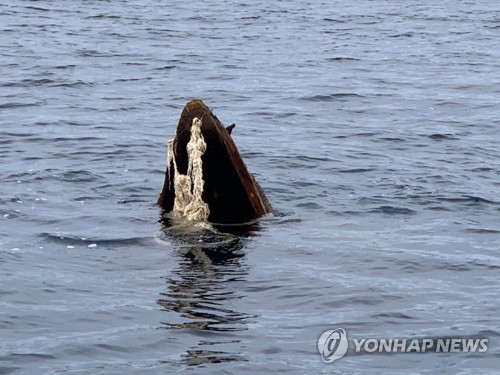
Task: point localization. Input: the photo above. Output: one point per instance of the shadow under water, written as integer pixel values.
(202, 290)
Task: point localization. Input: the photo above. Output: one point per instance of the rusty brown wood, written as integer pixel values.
(231, 191)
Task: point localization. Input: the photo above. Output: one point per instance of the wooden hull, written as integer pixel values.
(230, 191)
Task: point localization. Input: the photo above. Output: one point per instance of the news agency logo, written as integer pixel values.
(333, 345)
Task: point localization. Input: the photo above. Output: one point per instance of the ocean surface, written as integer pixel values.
(372, 126)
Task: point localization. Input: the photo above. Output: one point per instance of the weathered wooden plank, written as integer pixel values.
(230, 191)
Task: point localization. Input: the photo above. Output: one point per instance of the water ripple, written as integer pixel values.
(373, 131)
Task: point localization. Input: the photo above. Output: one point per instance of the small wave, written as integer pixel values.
(331, 97)
(29, 83)
(20, 357)
(56, 175)
(336, 20)
(17, 105)
(454, 267)
(133, 200)
(372, 200)
(104, 16)
(72, 240)
(94, 53)
(6, 141)
(166, 67)
(39, 9)
(250, 17)
(346, 213)
(356, 170)
(392, 210)
(79, 176)
(391, 139)
(309, 205)
(396, 315)
(488, 333)
(70, 139)
(78, 83)
(442, 137)
(311, 158)
(438, 208)
(405, 35)
(69, 66)
(340, 59)
(481, 169)
(471, 199)
(482, 231)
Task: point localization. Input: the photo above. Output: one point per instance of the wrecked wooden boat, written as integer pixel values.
(206, 178)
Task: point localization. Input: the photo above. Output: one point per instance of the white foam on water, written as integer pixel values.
(189, 188)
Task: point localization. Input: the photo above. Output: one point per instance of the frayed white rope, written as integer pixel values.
(189, 188)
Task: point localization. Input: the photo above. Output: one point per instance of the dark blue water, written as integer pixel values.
(373, 127)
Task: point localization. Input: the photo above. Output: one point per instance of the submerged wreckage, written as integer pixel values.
(206, 178)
